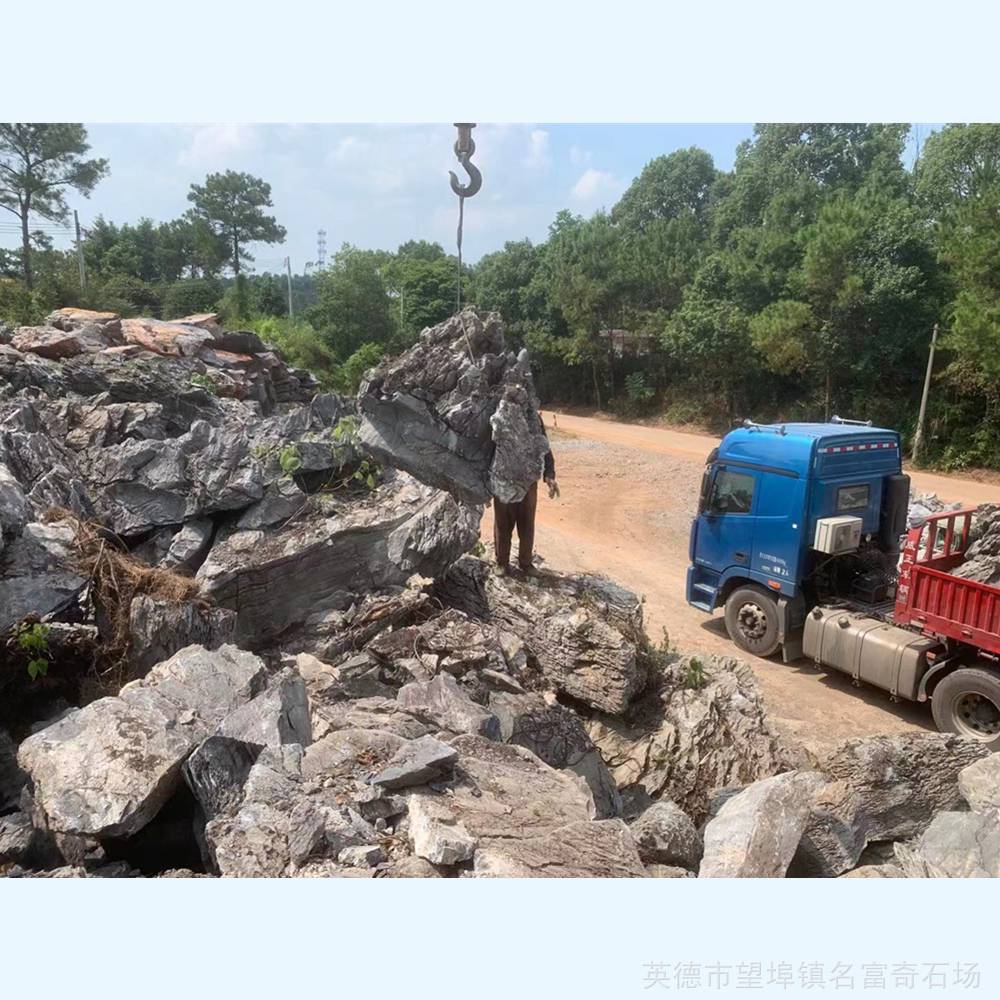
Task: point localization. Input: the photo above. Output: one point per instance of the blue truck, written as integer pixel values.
(799, 539)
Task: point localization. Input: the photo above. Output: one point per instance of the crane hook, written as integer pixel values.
(464, 148)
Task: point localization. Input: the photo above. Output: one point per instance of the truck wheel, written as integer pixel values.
(967, 702)
(752, 620)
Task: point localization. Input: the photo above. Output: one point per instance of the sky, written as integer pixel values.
(376, 186)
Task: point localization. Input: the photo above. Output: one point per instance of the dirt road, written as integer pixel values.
(628, 495)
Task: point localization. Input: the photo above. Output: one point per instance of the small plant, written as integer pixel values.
(694, 676)
(33, 640)
(202, 381)
(367, 472)
(290, 459)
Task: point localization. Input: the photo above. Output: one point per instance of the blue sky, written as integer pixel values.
(378, 185)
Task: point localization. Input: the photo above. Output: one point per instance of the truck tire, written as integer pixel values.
(752, 620)
(967, 702)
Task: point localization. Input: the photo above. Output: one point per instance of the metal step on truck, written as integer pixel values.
(801, 538)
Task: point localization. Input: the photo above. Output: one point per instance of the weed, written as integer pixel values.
(33, 640)
(694, 676)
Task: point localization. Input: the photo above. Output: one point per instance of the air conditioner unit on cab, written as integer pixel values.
(837, 534)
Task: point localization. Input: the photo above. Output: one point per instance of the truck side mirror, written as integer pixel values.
(707, 478)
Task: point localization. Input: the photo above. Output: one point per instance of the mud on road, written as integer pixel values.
(628, 496)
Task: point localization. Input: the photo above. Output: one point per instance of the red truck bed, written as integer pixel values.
(936, 602)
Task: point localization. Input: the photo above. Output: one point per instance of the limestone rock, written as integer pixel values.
(835, 835)
(12, 778)
(580, 631)
(757, 831)
(420, 761)
(979, 784)
(217, 772)
(665, 835)
(106, 769)
(584, 849)
(875, 871)
(189, 545)
(443, 703)
(954, 845)
(278, 715)
(436, 834)
(159, 628)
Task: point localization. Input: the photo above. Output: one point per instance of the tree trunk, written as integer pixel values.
(597, 388)
(829, 379)
(236, 257)
(26, 247)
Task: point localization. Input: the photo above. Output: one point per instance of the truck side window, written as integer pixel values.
(732, 493)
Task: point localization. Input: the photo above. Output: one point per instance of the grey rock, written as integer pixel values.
(982, 557)
(424, 759)
(278, 715)
(401, 529)
(38, 574)
(189, 545)
(556, 735)
(443, 703)
(979, 784)
(158, 628)
(217, 773)
(520, 445)
(374, 803)
(954, 845)
(902, 780)
(668, 871)
(579, 630)
(584, 849)
(368, 713)
(834, 838)
(18, 839)
(686, 744)
(665, 835)
(363, 856)
(12, 778)
(757, 831)
(436, 834)
(106, 769)
(875, 871)
(411, 866)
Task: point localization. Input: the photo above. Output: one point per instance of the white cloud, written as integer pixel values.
(538, 149)
(578, 156)
(350, 149)
(210, 145)
(596, 187)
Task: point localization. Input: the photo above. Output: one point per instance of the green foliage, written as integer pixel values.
(232, 204)
(33, 641)
(290, 459)
(694, 676)
(203, 381)
(191, 296)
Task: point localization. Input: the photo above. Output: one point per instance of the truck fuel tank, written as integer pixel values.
(867, 649)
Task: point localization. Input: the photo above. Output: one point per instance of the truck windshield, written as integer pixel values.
(732, 493)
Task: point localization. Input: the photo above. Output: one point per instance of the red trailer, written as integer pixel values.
(963, 679)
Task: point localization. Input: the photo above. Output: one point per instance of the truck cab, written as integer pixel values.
(791, 514)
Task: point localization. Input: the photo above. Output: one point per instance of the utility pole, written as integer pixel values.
(918, 436)
(288, 274)
(79, 251)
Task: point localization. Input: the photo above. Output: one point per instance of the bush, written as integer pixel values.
(128, 296)
(299, 345)
(18, 306)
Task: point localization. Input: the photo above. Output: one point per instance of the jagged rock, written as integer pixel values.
(14, 510)
(443, 703)
(979, 783)
(291, 811)
(412, 866)
(436, 835)
(20, 842)
(363, 856)
(169, 339)
(158, 628)
(38, 574)
(368, 713)
(520, 444)
(665, 835)
(71, 318)
(902, 780)
(106, 769)
(556, 735)
(12, 778)
(687, 743)
(835, 836)
(954, 845)
(420, 761)
(982, 557)
(428, 410)
(667, 871)
(401, 529)
(374, 803)
(56, 343)
(757, 831)
(217, 771)
(875, 871)
(580, 630)
(189, 545)
(278, 715)
(584, 849)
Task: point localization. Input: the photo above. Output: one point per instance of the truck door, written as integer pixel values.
(726, 525)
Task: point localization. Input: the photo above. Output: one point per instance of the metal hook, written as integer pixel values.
(464, 148)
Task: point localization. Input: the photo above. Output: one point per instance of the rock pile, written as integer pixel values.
(982, 557)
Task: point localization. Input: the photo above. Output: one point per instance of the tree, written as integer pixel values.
(233, 205)
(37, 162)
(674, 186)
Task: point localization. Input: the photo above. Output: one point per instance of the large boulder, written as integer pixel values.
(954, 845)
(979, 784)
(442, 703)
(580, 631)
(105, 770)
(757, 831)
(901, 780)
(665, 835)
(429, 412)
(158, 628)
(702, 729)
(277, 579)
